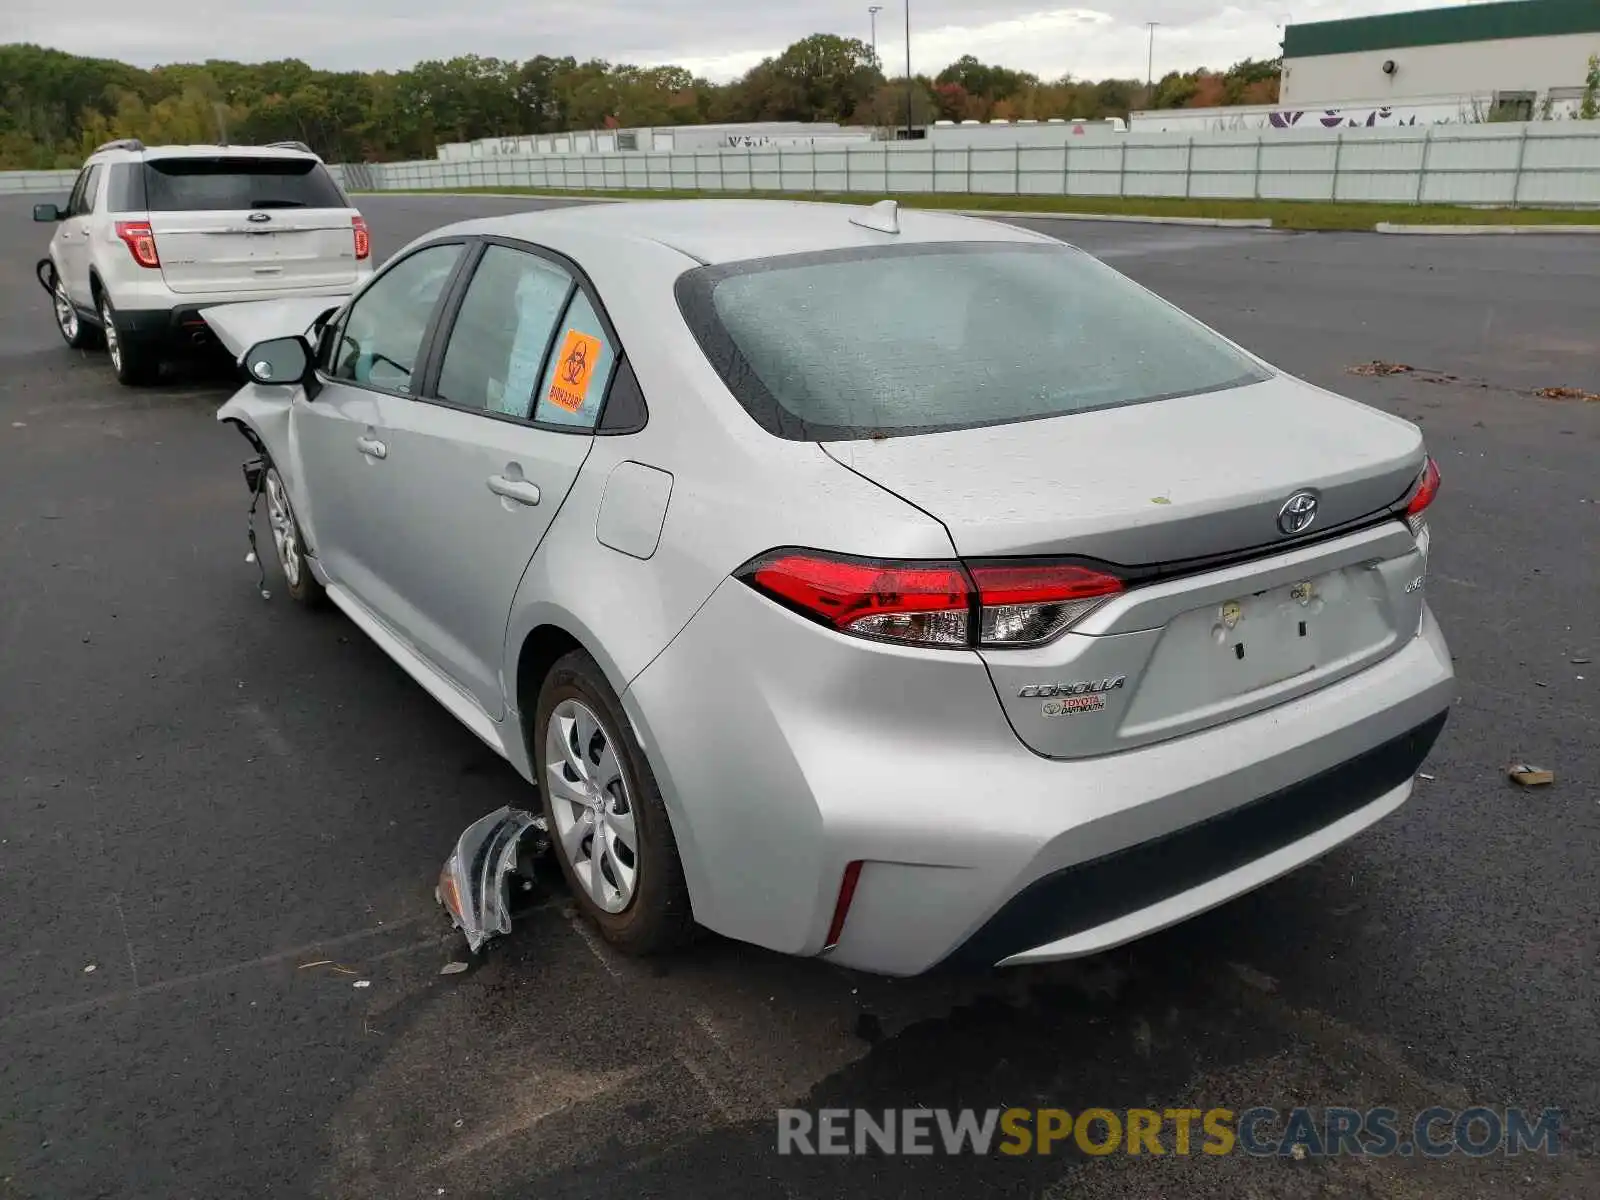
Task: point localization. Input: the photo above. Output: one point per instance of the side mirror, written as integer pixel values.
(281, 361)
(47, 212)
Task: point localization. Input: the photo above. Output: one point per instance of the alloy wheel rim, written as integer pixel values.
(66, 315)
(113, 342)
(591, 806)
(284, 535)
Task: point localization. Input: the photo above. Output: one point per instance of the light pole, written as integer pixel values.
(873, 12)
(1150, 67)
(909, 80)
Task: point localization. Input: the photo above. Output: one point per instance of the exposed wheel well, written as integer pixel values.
(96, 289)
(539, 653)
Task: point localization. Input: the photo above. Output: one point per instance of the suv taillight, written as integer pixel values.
(141, 242)
(363, 239)
(945, 604)
(1427, 488)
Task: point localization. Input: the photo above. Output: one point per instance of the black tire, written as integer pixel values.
(657, 918)
(298, 580)
(136, 363)
(74, 330)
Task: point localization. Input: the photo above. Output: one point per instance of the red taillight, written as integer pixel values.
(841, 906)
(1024, 605)
(363, 239)
(141, 242)
(942, 603)
(1427, 490)
(925, 602)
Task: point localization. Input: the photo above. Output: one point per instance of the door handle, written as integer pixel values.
(519, 490)
(372, 447)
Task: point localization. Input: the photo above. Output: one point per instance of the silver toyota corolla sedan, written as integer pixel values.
(885, 585)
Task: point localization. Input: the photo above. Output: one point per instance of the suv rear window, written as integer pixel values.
(202, 184)
(937, 336)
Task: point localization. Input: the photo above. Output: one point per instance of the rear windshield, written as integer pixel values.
(208, 184)
(936, 336)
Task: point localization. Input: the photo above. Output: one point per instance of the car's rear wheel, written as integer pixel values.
(72, 328)
(136, 363)
(290, 543)
(607, 819)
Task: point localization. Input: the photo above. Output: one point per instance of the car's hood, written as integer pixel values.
(1146, 484)
(240, 326)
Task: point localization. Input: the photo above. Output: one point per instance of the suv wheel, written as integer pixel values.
(607, 820)
(134, 362)
(73, 331)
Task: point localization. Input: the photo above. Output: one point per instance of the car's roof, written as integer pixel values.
(159, 152)
(718, 231)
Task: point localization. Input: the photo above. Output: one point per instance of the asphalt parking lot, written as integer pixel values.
(201, 794)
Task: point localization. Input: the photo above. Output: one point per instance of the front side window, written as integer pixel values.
(85, 196)
(938, 336)
(75, 200)
(380, 342)
(503, 331)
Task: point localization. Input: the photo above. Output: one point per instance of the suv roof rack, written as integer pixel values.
(300, 146)
(133, 144)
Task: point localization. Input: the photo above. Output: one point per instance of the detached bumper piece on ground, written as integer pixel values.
(492, 857)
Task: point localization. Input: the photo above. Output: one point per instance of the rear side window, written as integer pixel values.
(125, 188)
(938, 336)
(575, 381)
(225, 183)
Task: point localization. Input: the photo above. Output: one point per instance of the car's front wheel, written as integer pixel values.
(606, 815)
(134, 362)
(290, 543)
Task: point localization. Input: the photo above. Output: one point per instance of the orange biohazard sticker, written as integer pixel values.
(575, 364)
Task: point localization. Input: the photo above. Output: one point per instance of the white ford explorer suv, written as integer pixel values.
(152, 235)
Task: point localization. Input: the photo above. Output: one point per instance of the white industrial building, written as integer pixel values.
(988, 135)
(1521, 51)
(1515, 60)
(748, 135)
(772, 135)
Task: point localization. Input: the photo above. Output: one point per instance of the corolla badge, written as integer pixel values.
(1094, 687)
(1297, 513)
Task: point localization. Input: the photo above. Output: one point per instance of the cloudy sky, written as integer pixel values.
(717, 38)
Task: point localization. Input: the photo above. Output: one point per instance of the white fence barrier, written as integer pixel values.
(1530, 164)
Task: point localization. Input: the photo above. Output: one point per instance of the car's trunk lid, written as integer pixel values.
(258, 251)
(249, 223)
(1225, 613)
(1166, 481)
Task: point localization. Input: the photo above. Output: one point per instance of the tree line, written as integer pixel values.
(56, 107)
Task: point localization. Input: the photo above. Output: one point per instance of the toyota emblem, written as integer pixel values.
(1297, 513)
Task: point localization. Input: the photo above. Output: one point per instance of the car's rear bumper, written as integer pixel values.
(153, 313)
(1092, 906)
(180, 328)
(787, 752)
